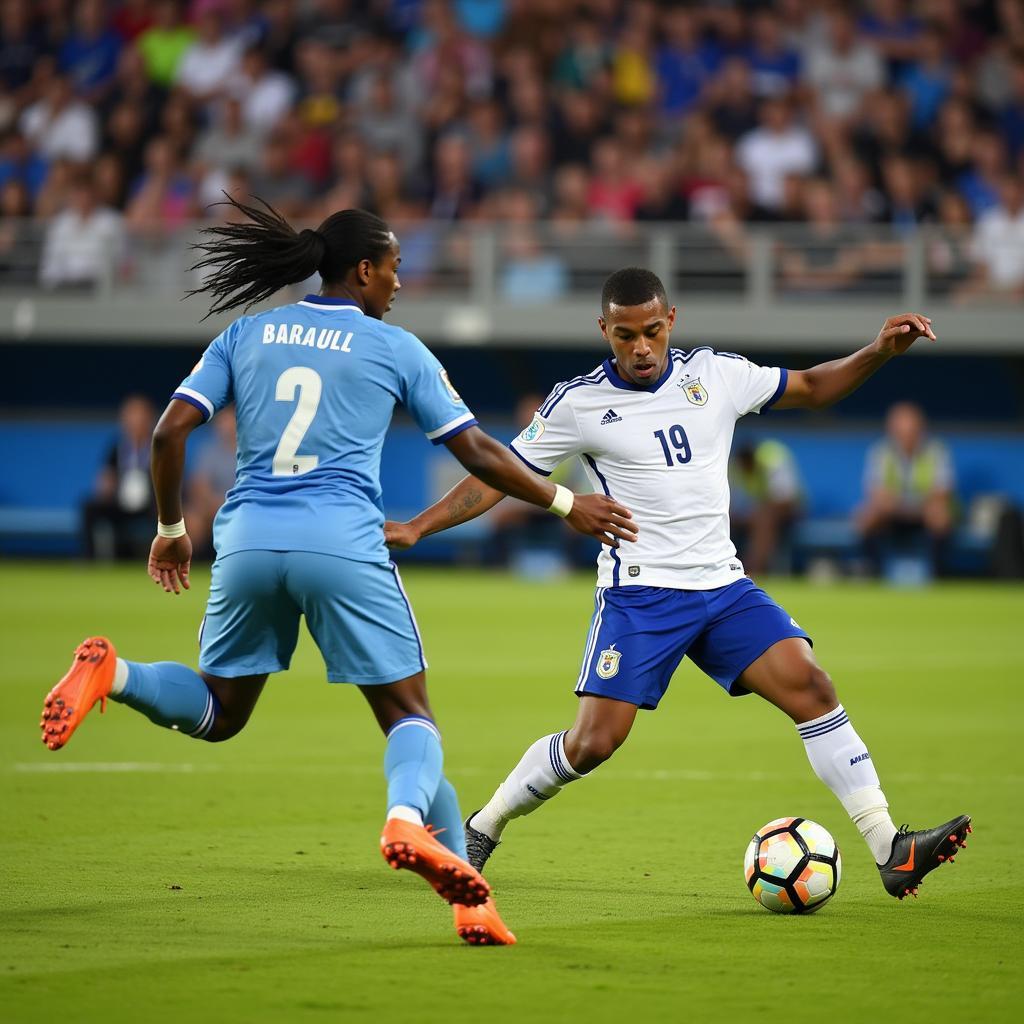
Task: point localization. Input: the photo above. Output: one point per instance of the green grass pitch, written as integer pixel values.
(144, 876)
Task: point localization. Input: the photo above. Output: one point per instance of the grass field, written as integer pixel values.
(150, 877)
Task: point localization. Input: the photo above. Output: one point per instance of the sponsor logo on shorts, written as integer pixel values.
(735, 566)
(608, 665)
(634, 571)
(860, 757)
(533, 431)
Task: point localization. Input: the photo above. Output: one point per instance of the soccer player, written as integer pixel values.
(300, 534)
(653, 426)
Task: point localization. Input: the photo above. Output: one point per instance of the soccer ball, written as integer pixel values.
(792, 866)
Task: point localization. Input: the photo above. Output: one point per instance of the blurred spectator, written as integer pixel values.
(89, 54)
(529, 273)
(586, 57)
(84, 243)
(275, 181)
(774, 65)
(773, 151)
(948, 244)
(210, 61)
(893, 31)
(19, 242)
(162, 46)
(164, 197)
(766, 501)
(118, 520)
(386, 123)
(731, 102)
(59, 125)
(21, 45)
(979, 183)
(844, 68)
(684, 64)
(997, 246)
(615, 192)
(19, 162)
(454, 193)
(828, 257)
(225, 146)
(909, 490)
(211, 480)
(266, 94)
(927, 79)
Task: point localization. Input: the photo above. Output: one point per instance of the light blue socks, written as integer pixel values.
(168, 694)
(412, 764)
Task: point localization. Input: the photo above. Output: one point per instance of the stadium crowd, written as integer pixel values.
(130, 118)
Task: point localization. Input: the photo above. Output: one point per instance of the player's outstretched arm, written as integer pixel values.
(170, 556)
(497, 472)
(468, 499)
(825, 384)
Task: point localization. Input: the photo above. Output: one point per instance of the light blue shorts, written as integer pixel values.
(357, 613)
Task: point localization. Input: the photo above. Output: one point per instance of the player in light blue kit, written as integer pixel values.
(315, 384)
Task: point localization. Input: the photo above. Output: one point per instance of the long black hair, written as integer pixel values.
(252, 260)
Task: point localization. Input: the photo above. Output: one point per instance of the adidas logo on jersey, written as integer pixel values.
(610, 417)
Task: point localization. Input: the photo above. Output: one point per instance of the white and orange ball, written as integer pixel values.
(792, 866)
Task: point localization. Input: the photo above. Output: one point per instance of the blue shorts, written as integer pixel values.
(357, 613)
(639, 635)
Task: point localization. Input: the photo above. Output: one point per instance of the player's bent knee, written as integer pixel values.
(592, 749)
(225, 727)
(818, 691)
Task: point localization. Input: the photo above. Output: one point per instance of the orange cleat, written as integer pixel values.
(482, 926)
(414, 847)
(87, 681)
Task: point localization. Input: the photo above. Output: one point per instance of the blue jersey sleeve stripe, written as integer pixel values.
(450, 425)
(471, 422)
(528, 463)
(779, 391)
(582, 382)
(206, 410)
(594, 377)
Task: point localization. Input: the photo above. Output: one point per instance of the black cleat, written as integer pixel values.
(479, 845)
(914, 854)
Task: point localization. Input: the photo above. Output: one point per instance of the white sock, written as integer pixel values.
(405, 814)
(120, 676)
(841, 760)
(540, 775)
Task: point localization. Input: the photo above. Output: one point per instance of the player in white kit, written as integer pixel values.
(653, 426)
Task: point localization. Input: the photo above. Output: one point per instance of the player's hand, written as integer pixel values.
(400, 536)
(170, 560)
(597, 515)
(899, 332)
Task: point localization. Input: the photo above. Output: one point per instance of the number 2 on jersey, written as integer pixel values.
(309, 386)
(679, 441)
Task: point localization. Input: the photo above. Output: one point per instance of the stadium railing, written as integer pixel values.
(463, 281)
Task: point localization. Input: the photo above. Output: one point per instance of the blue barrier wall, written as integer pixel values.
(50, 469)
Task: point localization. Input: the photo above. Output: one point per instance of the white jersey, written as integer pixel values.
(663, 452)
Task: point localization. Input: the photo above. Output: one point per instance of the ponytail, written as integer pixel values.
(250, 261)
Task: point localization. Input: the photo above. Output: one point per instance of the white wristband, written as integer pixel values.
(562, 503)
(174, 530)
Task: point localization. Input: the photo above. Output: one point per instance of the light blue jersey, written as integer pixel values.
(315, 384)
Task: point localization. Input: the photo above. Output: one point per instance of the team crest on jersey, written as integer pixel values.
(608, 666)
(695, 392)
(533, 431)
(456, 397)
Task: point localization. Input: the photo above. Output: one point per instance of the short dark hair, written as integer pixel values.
(632, 286)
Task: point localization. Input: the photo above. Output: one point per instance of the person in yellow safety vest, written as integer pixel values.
(909, 485)
(766, 499)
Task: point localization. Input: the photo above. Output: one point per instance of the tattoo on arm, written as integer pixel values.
(469, 500)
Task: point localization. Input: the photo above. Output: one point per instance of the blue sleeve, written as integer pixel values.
(428, 394)
(208, 386)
